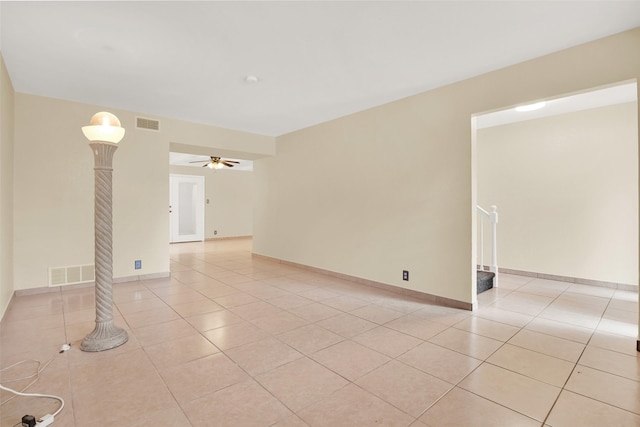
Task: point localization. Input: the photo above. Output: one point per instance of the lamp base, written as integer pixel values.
(105, 336)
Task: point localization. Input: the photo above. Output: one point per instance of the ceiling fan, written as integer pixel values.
(217, 163)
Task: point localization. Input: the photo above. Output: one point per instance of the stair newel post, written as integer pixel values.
(493, 217)
(481, 222)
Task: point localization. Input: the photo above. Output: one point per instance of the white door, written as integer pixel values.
(186, 208)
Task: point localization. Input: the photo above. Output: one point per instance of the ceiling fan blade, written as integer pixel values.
(205, 165)
(232, 161)
(227, 164)
(199, 161)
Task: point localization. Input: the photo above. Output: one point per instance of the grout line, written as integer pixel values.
(287, 273)
(563, 386)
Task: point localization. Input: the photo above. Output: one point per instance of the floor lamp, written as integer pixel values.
(103, 133)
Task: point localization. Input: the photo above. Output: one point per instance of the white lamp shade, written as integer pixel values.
(104, 127)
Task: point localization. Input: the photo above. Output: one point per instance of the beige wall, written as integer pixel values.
(230, 195)
(53, 203)
(566, 188)
(6, 187)
(54, 193)
(393, 187)
(195, 138)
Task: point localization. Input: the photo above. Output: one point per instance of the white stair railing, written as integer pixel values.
(492, 217)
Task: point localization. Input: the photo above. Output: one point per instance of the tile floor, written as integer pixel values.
(232, 340)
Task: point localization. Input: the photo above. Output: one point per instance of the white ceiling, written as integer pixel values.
(315, 60)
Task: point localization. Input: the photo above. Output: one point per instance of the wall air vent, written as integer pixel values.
(148, 124)
(71, 275)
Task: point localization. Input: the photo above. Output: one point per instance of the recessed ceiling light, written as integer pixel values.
(251, 79)
(531, 107)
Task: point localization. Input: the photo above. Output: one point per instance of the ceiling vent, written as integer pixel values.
(148, 124)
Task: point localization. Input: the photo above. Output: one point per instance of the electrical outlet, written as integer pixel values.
(138, 264)
(405, 275)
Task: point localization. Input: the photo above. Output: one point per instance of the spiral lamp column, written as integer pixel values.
(104, 133)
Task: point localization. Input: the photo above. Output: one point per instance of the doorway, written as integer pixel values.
(564, 178)
(186, 208)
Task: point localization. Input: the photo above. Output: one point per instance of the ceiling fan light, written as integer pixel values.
(218, 165)
(211, 165)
